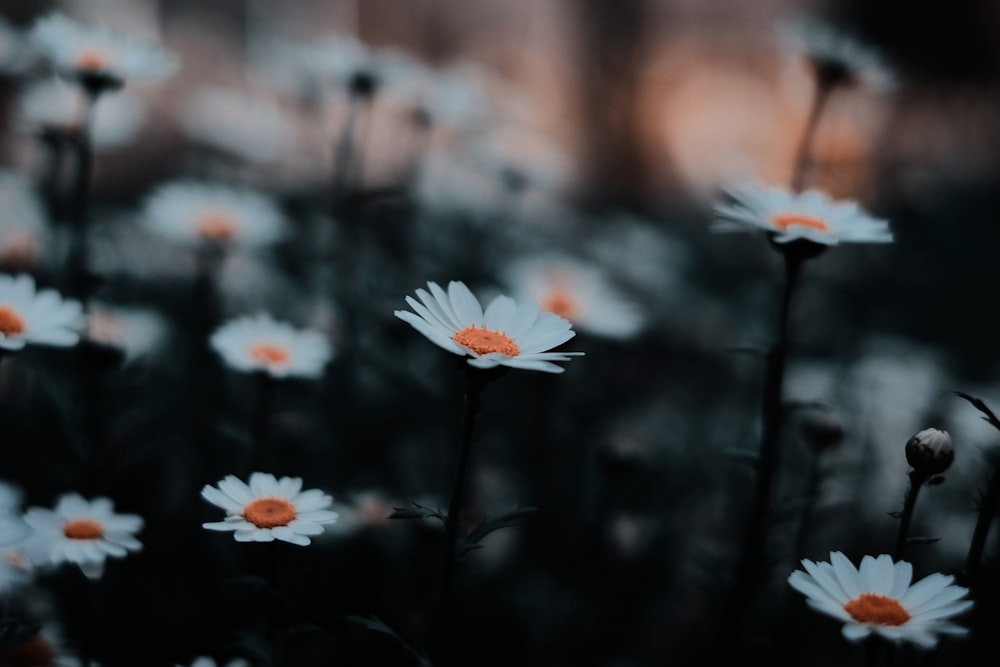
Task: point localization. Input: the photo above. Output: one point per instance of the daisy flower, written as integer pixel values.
(879, 599)
(197, 213)
(24, 228)
(39, 317)
(837, 56)
(808, 216)
(95, 53)
(576, 291)
(269, 509)
(260, 343)
(137, 332)
(506, 334)
(82, 532)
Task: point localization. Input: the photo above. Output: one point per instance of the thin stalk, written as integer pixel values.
(803, 159)
(815, 477)
(266, 388)
(916, 482)
(79, 284)
(987, 510)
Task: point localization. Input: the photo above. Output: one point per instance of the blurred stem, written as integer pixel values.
(987, 510)
(869, 651)
(916, 482)
(78, 278)
(266, 388)
(803, 159)
(812, 493)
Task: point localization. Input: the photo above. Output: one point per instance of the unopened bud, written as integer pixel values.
(930, 452)
(821, 428)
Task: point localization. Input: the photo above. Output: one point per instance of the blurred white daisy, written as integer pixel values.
(13, 529)
(83, 51)
(193, 213)
(205, 661)
(82, 532)
(53, 106)
(808, 216)
(307, 69)
(506, 334)
(837, 56)
(578, 292)
(137, 332)
(241, 124)
(39, 317)
(269, 509)
(15, 54)
(879, 599)
(261, 344)
(24, 229)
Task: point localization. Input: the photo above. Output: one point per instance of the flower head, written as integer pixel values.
(269, 509)
(94, 53)
(82, 532)
(808, 216)
(52, 108)
(38, 317)
(506, 334)
(240, 124)
(879, 599)
(23, 224)
(838, 57)
(259, 343)
(136, 332)
(930, 452)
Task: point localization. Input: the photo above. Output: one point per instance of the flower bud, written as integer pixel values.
(930, 452)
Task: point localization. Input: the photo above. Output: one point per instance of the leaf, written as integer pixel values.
(376, 624)
(895, 515)
(417, 512)
(980, 405)
(471, 541)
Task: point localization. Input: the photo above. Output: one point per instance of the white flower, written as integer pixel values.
(137, 332)
(82, 532)
(24, 229)
(78, 50)
(269, 509)
(506, 334)
(576, 291)
(879, 598)
(259, 343)
(247, 126)
(836, 54)
(37, 317)
(196, 213)
(809, 216)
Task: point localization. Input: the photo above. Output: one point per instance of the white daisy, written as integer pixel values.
(879, 599)
(837, 56)
(808, 216)
(82, 532)
(38, 317)
(24, 229)
(269, 509)
(260, 343)
(576, 291)
(137, 332)
(197, 213)
(91, 52)
(506, 334)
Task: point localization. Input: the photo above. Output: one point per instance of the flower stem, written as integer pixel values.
(803, 160)
(916, 482)
(79, 282)
(266, 388)
(987, 510)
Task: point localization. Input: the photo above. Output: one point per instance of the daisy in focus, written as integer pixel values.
(836, 56)
(196, 214)
(39, 317)
(578, 292)
(262, 344)
(82, 532)
(269, 509)
(879, 599)
(807, 216)
(506, 334)
(92, 53)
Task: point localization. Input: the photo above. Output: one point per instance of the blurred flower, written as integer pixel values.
(88, 52)
(450, 183)
(193, 213)
(15, 569)
(82, 532)
(53, 106)
(244, 125)
(13, 529)
(209, 662)
(259, 343)
(306, 69)
(930, 452)
(821, 427)
(576, 291)
(837, 57)
(15, 55)
(809, 216)
(523, 158)
(137, 332)
(39, 318)
(269, 509)
(879, 599)
(23, 224)
(455, 96)
(366, 509)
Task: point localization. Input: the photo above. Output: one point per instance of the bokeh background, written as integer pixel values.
(597, 131)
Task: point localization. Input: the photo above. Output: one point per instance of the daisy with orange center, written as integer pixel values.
(269, 509)
(505, 334)
(39, 317)
(262, 344)
(82, 532)
(807, 216)
(879, 599)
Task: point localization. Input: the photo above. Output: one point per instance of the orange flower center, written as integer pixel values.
(783, 221)
(92, 60)
(217, 226)
(83, 529)
(35, 652)
(269, 512)
(484, 341)
(560, 302)
(270, 354)
(11, 322)
(877, 609)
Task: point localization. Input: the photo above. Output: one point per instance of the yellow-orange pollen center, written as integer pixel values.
(216, 226)
(11, 322)
(269, 354)
(560, 302)
(877, 609)
(783, 221)
(83, 529)
(269, 512)
(484, 341)
(92, 60)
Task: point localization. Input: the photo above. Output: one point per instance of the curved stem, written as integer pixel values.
(916, 481)
(802, 155)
